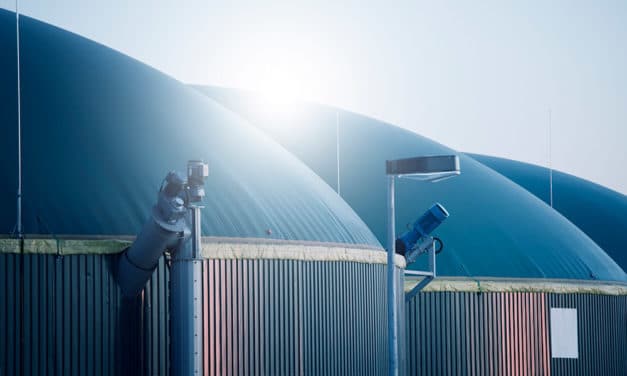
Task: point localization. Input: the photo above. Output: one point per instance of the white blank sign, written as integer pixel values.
(564, 333)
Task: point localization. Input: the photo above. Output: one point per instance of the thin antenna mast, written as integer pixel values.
(19, 127)
(550, 163)
(337, 148)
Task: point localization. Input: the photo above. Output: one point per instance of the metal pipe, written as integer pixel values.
(196, 232)
(428, 276)
(186, 304)
(432, 265)
(139, 261)
(391, 279)
(168, 228)
(164, 230)
(416, 289)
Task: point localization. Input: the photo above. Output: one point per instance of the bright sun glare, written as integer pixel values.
(284, 75)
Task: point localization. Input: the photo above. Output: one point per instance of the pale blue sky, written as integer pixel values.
(478, 76)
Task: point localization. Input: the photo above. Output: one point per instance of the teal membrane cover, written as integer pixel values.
(496, 227)
(101, 130)
(599, 211)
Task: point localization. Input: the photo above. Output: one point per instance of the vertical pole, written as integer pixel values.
(392, 288)
(186, 304)
(196, 234)
(432, 259)
(19, 229)
(197, 291)
(550, 161)
(337, 150)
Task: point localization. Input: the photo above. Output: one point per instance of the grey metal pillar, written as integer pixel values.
(392, 281)
(186, 304)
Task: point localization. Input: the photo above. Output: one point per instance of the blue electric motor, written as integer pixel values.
(428, 222)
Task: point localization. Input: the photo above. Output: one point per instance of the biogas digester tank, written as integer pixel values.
(292, 279)
(519, 290)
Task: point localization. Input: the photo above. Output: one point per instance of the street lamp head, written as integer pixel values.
(432, 168)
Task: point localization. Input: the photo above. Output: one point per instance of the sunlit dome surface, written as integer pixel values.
(496, 227)
(600, 212)
(101, 130)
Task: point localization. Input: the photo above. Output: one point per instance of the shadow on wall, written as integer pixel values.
(129, 337)
(65, 315)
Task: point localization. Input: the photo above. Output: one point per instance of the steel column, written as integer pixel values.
(392, 288)
(186, 304)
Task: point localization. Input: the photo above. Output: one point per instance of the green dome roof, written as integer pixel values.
(100, 131)
(600, 212)
(496, 228)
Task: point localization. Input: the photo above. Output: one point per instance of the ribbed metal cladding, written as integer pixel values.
(508, 333)
(477, 334)
(10, 314)
(65, 316)
(265, 317)
(156, 323)
(602, 333)
(285, 317)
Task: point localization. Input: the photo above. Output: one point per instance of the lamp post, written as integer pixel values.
(426, 168)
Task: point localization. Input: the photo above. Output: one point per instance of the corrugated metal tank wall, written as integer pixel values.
(285, 317)
(156, 338)
(507, 333)
(74, 321)
(260, 317)
(602, 328)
